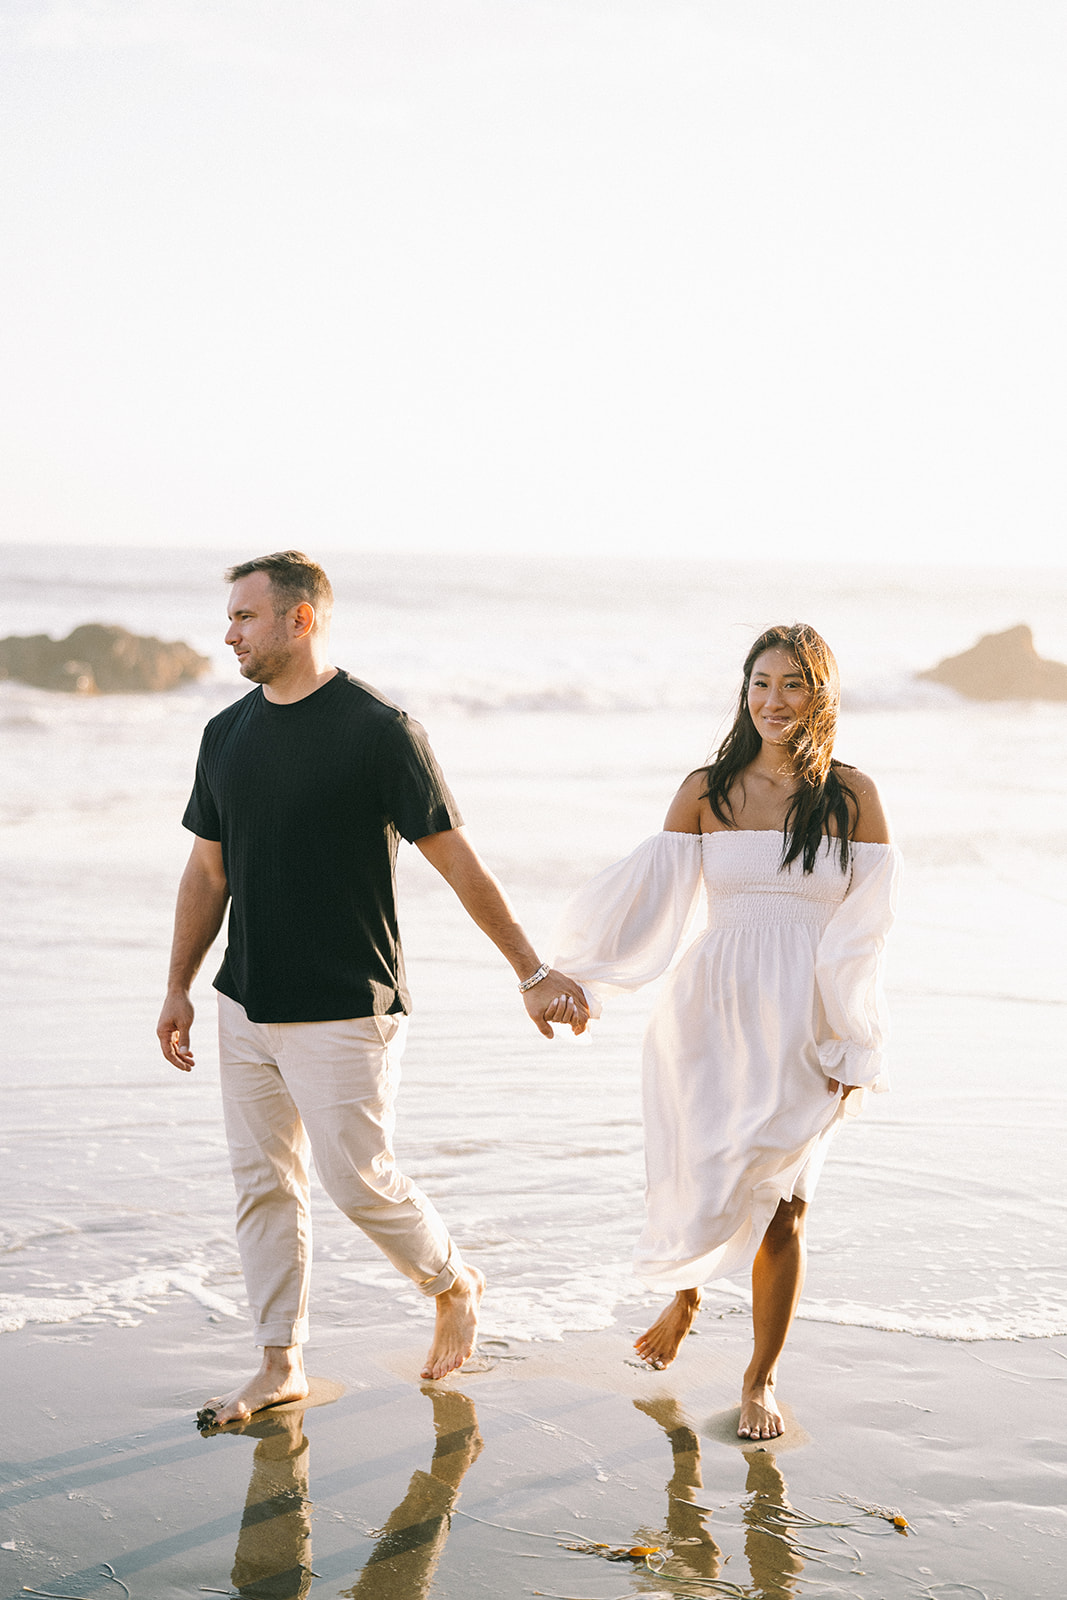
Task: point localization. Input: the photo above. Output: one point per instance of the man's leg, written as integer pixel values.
(343, 1077)
(268, 1155)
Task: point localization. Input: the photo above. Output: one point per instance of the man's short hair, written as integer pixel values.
(294, 578)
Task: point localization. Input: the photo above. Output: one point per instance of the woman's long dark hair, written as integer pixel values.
(821, 797)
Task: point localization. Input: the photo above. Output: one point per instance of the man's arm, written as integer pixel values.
(486, 903)
(202, 897)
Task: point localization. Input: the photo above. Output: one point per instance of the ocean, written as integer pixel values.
(565, 700)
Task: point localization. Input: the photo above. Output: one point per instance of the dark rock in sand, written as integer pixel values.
(1002, 666)
(95, 659)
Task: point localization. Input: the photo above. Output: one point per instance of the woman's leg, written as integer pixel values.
(661, 1343)
(777, 1279)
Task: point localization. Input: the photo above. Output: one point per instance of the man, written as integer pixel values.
(303, 788)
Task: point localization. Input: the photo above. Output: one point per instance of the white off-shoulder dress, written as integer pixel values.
(781, 991)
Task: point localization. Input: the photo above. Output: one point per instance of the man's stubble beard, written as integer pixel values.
(263, 666)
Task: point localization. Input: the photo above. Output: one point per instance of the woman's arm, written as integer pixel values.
(624, 927)
(871, 825)
(848, 970)
(683, 815)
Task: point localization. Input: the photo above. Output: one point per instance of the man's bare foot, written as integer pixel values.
(279, 1380)
(661, 1343)
(760, 1416)
(457, 1325)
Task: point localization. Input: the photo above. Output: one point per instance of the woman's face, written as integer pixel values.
(778, 695)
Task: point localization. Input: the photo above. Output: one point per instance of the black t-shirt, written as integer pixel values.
(309, 801)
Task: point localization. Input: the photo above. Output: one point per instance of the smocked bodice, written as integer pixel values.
(746, 888)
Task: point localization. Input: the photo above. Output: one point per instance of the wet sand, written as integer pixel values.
(501, 1481)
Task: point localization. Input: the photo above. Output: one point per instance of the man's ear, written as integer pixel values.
(303, 619)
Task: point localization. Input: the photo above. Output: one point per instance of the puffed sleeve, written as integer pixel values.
(848, 970)
(623, 928)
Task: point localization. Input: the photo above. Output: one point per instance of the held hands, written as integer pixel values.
(172, 1030)
(556, 999)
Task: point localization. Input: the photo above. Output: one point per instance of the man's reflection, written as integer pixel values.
(405, 1558)
(273, 1559)
(774, 1562)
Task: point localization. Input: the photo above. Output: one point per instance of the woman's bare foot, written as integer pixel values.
(760, 1416)
(661, 1343)
(457, 1325)
(279, 1380)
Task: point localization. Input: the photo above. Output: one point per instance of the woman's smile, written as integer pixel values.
(778, 695)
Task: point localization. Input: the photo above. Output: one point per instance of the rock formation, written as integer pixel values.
(1002, 666)
(95, 659)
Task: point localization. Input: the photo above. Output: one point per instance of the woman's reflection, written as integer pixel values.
(774, 1562)
(773, 1559)
(695, 1553)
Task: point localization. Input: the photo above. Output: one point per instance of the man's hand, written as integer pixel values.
(558, 999)
(172, 1030)
(202, 897)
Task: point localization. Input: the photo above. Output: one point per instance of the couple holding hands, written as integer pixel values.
(766, 1028)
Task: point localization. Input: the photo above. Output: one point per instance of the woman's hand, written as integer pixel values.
(833, 1086)
(568, 1010)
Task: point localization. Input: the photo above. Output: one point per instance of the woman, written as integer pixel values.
(775, 1015)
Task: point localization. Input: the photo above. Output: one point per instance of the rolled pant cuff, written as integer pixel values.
(283, 1333)
(445, 1278)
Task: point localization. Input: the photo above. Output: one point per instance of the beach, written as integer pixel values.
(577, 1445)
(926, 1373)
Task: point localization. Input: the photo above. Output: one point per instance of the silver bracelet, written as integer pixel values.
(542, 972)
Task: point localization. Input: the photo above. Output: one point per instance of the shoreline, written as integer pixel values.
(396, 1490)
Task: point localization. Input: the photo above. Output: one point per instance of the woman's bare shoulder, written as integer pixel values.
(871, 826)
(684, 812)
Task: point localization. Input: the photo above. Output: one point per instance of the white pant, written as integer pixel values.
(328, 1089)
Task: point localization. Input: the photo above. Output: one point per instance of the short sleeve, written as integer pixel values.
(414, 795)
(202, 814)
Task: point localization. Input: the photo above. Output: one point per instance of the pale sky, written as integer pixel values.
(767, 279)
